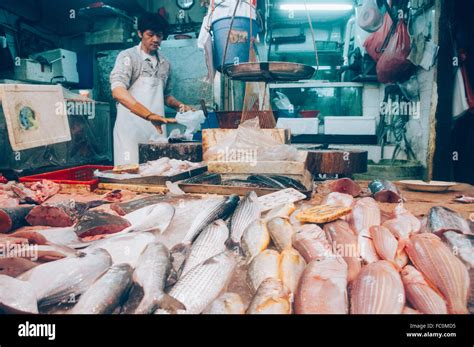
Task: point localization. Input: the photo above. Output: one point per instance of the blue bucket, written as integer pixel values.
(239, 42)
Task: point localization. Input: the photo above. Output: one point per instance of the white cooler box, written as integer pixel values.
(299, 126)
(350, 126)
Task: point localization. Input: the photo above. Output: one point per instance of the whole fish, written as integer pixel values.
(323, 287)
(401, 260)
(125, 248)
(385, 243)
(227, 303)
(292, 266)
(202, 284)
(107, 292)
(365, 213)
(385, 191)
(246, 212)
(14, 267)
(289, 182)
(367, 249)
(266, 181)
(208, 244)
(255, 238)
(401, 228)
(263, 266)
(344, 242)
(272, 297)
(64, 279)
(401, 212)
(17, 296)
(63, 236)
(149, 218)
(345, 186)
(378, 290)
(420, 295)
(442, 219)
(44, 252)
(462, 247)
(442, 269)
(221, 210)
(281, 232)
(149, 279)
(311, 242)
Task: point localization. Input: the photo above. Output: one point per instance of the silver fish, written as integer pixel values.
(202, 285)
(248, 210)
(221, 210)
(227, 303)
(125, 248)
(149, 279)
(292, 265)
(272, 297)
(63, 236)
(208, 244)
(17, 296)
(106, 293)
(66, 278)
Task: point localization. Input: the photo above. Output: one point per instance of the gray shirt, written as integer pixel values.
(133, 63)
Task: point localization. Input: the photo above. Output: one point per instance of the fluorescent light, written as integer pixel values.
(316, 7)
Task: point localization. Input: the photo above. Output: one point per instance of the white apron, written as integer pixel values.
(130, 129)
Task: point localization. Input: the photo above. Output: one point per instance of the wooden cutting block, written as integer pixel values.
(182, 151)
(35, 115)
(337, 161)
(211, 137)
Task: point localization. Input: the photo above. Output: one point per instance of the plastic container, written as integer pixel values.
(80, 176)
(239, 42)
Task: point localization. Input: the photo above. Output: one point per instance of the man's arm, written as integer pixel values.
(174, 103)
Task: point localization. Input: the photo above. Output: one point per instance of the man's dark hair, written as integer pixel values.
(154, 22)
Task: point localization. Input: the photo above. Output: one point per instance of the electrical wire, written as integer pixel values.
(313, 38)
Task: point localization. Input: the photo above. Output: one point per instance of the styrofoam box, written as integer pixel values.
(299, 126)
(31, 70)
(349, 126)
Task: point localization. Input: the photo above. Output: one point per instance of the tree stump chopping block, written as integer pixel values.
(337, 161)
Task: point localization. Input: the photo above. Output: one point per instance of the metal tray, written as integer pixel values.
(156, 180)
(269, 72)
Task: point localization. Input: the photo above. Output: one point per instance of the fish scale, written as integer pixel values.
(208, 244)
(246, 212)
(200, 286)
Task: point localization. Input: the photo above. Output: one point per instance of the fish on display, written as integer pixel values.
(45, 252)
(106, 293)
(281, 231)
(386, 245)
(323, 287)
(385, 191)
(255, 238)
(345, 186)
(292, 266)
(127, 207)
(289, 182)
(338, 199)
(205, 178)
(402, 213)
(125, 248)
(240, 183)
(378, 290)
(263, 266)
(149, 280)
(442, 219)
(462, 246)
(282, 211)
(246, 212)
(344, 242)
(14, 267)
(62, 236)
(208, 244)
(227, 303)
(220, 210)
(266, 182)
(272, 297)
(94, 223)
(13, 217)
(17, 296)
(65, 279)
(419, 293)
(442, 269)
(202, 284)
(150, 218)
(401, 228)
(311, 242)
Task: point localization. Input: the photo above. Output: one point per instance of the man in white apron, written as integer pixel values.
(140, 84)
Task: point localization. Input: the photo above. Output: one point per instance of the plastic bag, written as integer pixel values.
(373, 44)
(192, 120)
(369, 16)
(250, 143)
(394, 66)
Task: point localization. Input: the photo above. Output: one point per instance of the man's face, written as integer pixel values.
(151, 40)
